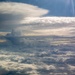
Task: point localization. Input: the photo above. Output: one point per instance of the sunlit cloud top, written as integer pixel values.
(46, 26)
(21, 8)
(50, 20)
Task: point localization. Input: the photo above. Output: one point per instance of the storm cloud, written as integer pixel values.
(27, 18)
(12, 13)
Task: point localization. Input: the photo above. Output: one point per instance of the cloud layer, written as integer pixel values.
(37, 56)
(48, 26)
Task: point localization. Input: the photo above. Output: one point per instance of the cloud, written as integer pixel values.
(27, 18)
(49, 20)
(13, 67)
(12, 13)
(71, 67)
(46, 26)
(49, 26)
(21, 8)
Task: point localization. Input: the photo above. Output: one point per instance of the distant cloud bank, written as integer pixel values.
(59, 26)
(21, 8)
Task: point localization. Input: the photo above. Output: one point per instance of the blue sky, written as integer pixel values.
(55, 7)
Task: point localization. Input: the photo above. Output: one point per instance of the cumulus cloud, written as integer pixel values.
(18, 67)
(12, 13)
(71, 67)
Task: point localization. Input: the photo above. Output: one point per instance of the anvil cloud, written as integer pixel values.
(12, 13)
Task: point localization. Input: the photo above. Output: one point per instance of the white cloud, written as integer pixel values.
(16, 66)
(21, 8)
(71, 67)
(60, 26)
(12, 13)
(49, 20)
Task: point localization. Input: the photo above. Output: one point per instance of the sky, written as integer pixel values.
(55, 7)
(36, 17)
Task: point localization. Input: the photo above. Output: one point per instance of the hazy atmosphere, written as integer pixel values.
(37, 37)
